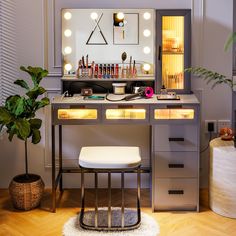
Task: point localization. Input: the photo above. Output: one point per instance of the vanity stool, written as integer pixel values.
(109, 159)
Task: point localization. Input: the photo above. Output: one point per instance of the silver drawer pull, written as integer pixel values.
(176, 165)
(176, 192)
(176, 139)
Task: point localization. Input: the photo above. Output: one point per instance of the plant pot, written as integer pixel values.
(26, 191)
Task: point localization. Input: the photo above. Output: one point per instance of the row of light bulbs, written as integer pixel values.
(94, 16)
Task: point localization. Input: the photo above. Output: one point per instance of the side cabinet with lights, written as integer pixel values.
(175, 157)
(173, 46)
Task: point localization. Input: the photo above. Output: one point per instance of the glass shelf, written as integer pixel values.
(172, 53)
(138, 78)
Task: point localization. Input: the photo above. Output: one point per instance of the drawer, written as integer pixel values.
(176, 194)
(125, 114)
(76, 114)
(175, 138)
(174, 114)
(176, 164)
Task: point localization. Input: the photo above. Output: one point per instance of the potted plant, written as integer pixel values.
(18, 117)
(214, 77)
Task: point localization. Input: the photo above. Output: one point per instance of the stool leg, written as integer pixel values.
(96, 199)
(122, 201)
(109, 200)
(138, 194)
(82, 197)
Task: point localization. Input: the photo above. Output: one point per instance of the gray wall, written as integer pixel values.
(38, 43)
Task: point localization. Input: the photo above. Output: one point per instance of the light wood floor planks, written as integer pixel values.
(41, 222)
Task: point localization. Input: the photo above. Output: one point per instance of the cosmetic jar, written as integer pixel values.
(119, 88)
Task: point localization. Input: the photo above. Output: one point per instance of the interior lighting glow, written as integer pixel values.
(67, 33)
(147, 15)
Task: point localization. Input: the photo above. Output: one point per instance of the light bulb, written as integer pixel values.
(146, 67)
(68, 50)
(67, 33)
(146, 15)
(120, 15)
(68, 67)
(67, 15)
(146, 32)
(94, 15)
(146, 50)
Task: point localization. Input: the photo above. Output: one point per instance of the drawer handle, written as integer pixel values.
(176, 139)
(176, 192)
(125, 106)
(176, 165)
(174, 106)
(77, 106)
(159, 53)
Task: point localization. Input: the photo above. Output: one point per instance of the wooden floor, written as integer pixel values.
(42, 222)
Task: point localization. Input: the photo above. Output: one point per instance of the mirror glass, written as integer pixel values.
(91, 37)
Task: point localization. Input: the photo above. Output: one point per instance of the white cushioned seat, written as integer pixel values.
(109, 157)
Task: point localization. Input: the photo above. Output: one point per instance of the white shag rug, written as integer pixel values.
(148, 227)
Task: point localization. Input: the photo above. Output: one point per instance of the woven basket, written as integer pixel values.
(26, 196)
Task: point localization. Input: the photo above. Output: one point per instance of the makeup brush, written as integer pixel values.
(130, 69)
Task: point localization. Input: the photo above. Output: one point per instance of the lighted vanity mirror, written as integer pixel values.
(94, 40)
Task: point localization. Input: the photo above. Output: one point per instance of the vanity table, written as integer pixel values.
(174, 139)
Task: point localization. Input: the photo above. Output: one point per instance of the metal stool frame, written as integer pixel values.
(109, 226)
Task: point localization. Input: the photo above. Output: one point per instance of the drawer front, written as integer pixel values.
(174, 114)
(175, 138)
(176, 164)
(176, 194)
(125, 114)
(76, 114)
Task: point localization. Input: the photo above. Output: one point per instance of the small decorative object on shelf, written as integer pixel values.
(226, 133)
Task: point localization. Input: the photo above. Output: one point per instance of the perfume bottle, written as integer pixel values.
(163, 90)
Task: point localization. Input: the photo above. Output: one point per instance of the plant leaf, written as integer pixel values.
(36, 136)
(35, 92)
(35, 123)
(22, 83)
(23, 127)
(42, 103)
(5, 116)
(11, 130)
(230, 41)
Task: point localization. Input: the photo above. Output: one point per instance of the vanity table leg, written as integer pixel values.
(53, 171)
(60, 158)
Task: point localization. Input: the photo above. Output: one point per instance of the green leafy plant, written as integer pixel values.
(18, 113)
(211, 76)
(230, 41)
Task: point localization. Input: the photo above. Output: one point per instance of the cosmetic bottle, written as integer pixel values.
(100, 71)
(108, 75)
(117, 71)
(104, 71)
(96, 71)
(112, 71)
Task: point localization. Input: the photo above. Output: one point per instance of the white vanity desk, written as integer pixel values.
(174, 141)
